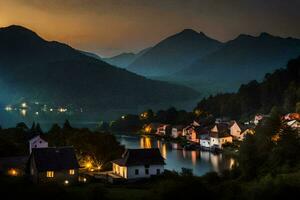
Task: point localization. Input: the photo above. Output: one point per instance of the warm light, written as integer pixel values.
(66, 182)
(24, 105)
(71, 171)
(50, 174)
(23, 112)
(88, 165)
(84, 180)
(62, 110)
(13, 172)
(8, 108)
(123, 117)
(148, 129)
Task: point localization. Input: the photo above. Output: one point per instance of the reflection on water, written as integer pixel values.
(200, 162)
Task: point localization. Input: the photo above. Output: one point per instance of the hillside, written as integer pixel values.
(35, 69)
(174, 53)
(281, 89)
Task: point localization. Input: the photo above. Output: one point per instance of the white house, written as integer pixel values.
(205, 143)
(220, 135)
(37, 142)
(139, 163)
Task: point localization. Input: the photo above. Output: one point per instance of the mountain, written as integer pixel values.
(49, 71)
(241, 60)
(174, 53)
(123, 60)
(280, 89)
(93, 55)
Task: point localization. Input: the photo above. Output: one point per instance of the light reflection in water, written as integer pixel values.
(23, 112)
(200, 162)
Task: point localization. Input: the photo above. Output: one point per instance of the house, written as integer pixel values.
(246, 131)
(53, 164)
(37, 142)
(163, 129)
(176, 131)
(139, 163)
(220, 135)
(186, 131)
(294, 124)
(205, 142)
(292, 116)
(258, 118)
(235, 129)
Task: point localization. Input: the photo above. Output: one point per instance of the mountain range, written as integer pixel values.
(210, 66)
(49, 71)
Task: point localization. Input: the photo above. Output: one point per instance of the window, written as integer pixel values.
(157, 171)
(50, 174)
(136, 172)
(71, 171)
(147, 171)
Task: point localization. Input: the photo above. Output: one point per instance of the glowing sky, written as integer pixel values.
(109, 27)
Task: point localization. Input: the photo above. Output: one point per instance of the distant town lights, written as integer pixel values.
(24, 105)
(8, 108)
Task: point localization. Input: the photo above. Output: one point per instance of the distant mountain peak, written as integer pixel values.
(188, 30)
(19, 31)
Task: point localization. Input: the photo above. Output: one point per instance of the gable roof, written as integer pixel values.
(54, 158)
(133, 157)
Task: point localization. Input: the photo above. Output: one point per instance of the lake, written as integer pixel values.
(200, 162)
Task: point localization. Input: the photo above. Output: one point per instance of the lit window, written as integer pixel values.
(50, 174)
(71, 171)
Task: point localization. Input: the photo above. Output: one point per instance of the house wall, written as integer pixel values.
(37, 142)
(59, 177)
(152, 171)
(174, 132)
(235, 130)
(205, 143)
(129, 172)
(220, 141)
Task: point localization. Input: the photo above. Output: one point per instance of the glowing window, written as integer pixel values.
(71, 171)
(50, 174)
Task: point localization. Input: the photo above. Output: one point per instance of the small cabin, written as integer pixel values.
(139, 163)
(53, 164)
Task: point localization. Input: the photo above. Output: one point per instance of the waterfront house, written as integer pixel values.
(139, 163)
(53, 164)
(163, 129)
(37, 142)
(151, 128)
(176, 131)
(205, 142)
(235, 129)
(220, 135)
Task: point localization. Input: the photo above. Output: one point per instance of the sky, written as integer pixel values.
(110, 27)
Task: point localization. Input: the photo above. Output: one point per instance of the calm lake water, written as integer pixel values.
(200, 162)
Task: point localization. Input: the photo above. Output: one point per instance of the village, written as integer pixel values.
(59, 164)
(214, 136)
